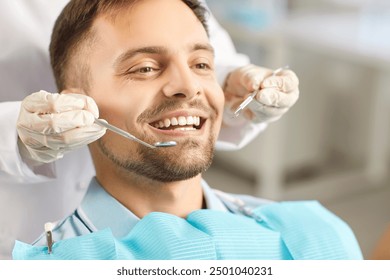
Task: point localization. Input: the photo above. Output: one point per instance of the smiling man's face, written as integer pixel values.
(152, 74)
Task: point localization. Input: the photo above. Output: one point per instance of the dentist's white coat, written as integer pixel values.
(30, 197)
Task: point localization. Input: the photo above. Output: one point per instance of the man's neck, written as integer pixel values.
(142, 196)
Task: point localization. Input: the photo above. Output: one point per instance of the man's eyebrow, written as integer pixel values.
(206, 47)
(155, 50)
(133, 52)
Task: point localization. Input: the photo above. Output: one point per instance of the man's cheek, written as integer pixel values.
(220, 97)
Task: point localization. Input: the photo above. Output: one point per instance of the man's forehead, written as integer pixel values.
(152, 23)
(148, 11)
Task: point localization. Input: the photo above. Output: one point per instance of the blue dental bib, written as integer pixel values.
(287, 230)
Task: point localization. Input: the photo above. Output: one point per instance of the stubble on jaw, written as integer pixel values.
(162, 165)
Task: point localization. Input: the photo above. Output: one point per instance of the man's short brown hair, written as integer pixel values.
(72, 33)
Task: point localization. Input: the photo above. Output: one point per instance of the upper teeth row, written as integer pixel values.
(190, 120)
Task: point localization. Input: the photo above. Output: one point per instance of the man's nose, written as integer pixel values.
(181, 83)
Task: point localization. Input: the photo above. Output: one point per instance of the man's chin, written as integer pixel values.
(173, 176)
(176, 167)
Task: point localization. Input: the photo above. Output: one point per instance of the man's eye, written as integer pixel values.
(202, 66)
(145, 70)
(142, 72)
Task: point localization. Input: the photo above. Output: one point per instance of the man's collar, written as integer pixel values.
(99, 210)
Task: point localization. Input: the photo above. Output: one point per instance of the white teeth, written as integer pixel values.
(197, 121)
(190, 120)
(182, 121)
(185, 128)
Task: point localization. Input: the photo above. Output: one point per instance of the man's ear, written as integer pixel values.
(73, 90)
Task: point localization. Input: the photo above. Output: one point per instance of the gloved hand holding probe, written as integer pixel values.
(276, 94)
(51, 124)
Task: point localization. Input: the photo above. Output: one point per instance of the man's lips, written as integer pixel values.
(179, 123)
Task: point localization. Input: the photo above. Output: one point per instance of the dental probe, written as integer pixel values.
(132, 137)
(252, 96)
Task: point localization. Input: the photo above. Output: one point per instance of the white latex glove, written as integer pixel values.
(51, 124)
(277, 93)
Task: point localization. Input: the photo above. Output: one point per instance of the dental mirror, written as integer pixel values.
(127, 135)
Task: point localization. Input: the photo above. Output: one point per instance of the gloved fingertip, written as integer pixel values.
(269, 97)
(91, 106)
(42, 93)
(100, 129)
(271, 82)
(89, 117)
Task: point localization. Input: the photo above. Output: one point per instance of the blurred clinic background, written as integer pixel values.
(333, 145)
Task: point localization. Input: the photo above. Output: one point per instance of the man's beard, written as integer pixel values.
(162, 165)
(182, 162)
